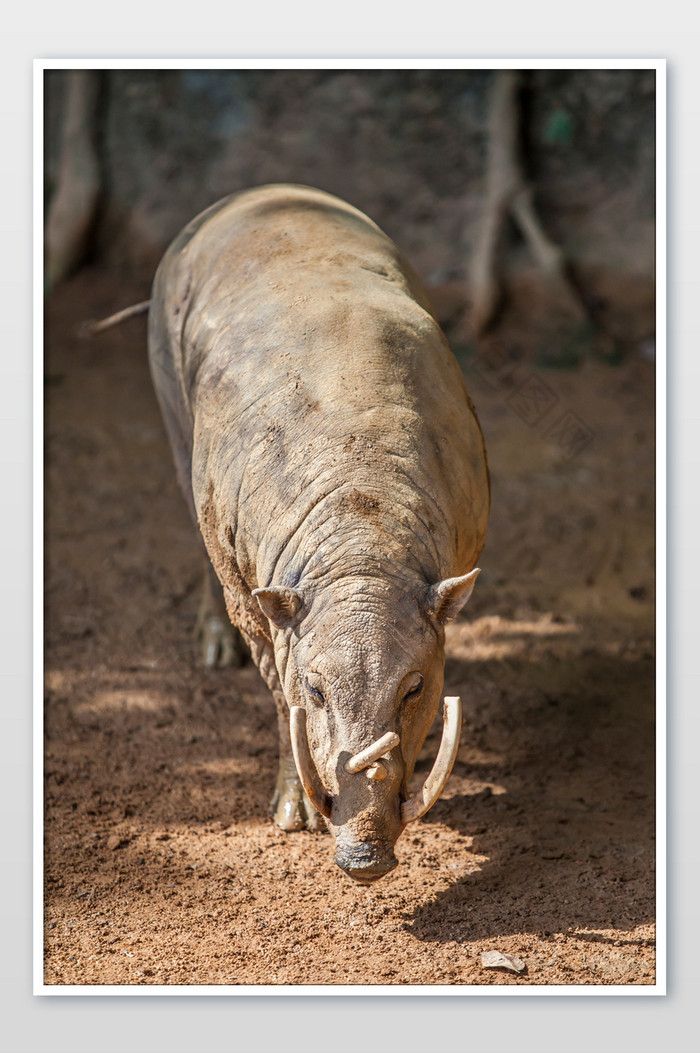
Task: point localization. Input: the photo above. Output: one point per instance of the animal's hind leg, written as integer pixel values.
(221, 642)
(290, 807)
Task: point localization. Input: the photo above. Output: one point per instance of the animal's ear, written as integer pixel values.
(279, 603)
(446, 598)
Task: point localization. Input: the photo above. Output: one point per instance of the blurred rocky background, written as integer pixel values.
(132, 155)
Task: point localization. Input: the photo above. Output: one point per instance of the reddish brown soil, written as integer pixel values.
(161, 864)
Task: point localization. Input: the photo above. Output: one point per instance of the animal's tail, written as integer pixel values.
(89, 329)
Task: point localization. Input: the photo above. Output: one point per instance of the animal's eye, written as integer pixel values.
(414, 690)
(315, 694)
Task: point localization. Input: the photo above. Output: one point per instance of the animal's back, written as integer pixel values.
(307, 388)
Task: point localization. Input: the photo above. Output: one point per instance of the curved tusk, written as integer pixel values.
(431, 789)
(306, 768)
(372, 753)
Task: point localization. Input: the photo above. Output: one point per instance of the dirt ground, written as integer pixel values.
(161, 865)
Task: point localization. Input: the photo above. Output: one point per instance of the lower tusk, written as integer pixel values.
(431, 789)
(306, 768)
(365, 758)
(377, 771)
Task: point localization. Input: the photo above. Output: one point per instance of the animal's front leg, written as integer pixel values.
(290, 807)
(221, 643)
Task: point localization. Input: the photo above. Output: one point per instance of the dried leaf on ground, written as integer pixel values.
(497, 960)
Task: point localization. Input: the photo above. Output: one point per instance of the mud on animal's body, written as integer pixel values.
(328, 449)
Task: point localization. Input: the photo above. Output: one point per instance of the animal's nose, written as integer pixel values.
(365, 862)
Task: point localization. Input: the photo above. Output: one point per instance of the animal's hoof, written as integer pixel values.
(291, 809)
(221, 644)
(288, 814)
(314, 820)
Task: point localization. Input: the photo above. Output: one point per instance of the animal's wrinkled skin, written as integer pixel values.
(328, 448)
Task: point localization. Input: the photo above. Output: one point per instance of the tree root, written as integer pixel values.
(508, 193)
(73, 206)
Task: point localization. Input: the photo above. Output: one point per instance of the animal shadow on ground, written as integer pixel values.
(554, 784)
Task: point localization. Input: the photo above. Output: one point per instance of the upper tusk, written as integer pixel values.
(372, 753)
(305, 765)
(431, 789)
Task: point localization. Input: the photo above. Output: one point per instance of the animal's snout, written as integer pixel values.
(366, 862)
